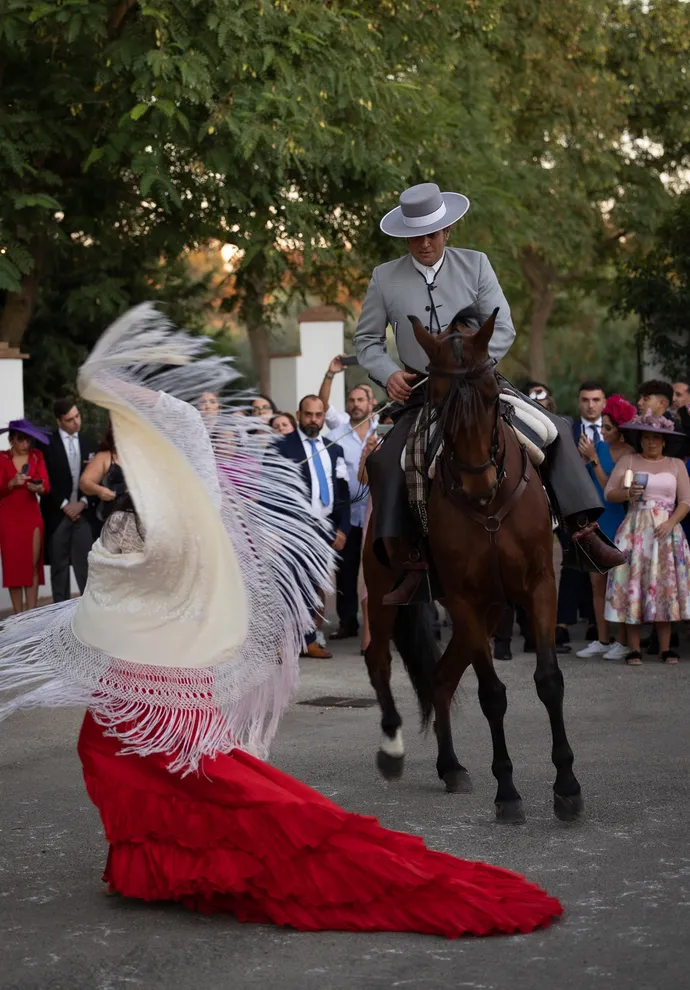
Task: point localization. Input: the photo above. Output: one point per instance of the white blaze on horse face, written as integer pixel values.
(394, 746)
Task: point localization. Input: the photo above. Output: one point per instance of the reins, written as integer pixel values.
(492, 514)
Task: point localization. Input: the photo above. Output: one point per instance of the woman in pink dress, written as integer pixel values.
(653, 585)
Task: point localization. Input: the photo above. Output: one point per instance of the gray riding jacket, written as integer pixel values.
(397, 290)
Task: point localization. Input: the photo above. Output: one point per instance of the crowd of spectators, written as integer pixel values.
(637, 456)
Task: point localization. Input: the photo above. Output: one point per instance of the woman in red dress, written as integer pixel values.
(23, 477)
(184, 648)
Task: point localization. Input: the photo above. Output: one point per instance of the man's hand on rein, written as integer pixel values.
(398, 386)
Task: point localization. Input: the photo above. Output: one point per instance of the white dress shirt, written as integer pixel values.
(429, 272)
(587, 428)
(70, 441)
(318, 509)
(352, 448)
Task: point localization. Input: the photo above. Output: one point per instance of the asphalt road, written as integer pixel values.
(623, 874)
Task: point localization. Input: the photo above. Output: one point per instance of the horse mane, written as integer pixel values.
(467, 316)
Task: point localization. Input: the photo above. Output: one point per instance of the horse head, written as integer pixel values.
(464, 392)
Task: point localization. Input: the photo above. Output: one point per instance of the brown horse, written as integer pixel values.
(491, 542)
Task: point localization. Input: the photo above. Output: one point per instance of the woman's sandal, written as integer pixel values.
(634, 658)
(669, 656)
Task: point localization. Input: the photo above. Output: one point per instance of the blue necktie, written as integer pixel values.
(320, 474)
(596, 436)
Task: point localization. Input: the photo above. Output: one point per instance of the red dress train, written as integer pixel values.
(243, 837)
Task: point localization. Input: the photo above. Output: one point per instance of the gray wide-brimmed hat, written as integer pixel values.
(424, 209)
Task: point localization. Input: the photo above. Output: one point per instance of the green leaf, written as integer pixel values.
(166, 107)
(42, 200)
(137, 112)
(94, 156)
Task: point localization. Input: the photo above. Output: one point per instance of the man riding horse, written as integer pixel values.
(435, 282)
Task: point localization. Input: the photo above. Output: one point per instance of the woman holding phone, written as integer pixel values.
(652, 587)
(23, 477)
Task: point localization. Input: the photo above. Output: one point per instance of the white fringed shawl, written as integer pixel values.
(189, 647)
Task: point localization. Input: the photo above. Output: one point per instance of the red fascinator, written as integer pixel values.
(619, 409)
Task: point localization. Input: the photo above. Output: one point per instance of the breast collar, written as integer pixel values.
(434, 322)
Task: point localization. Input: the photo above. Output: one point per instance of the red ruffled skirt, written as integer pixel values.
(241, 836)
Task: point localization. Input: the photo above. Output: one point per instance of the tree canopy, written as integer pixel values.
(145, 130)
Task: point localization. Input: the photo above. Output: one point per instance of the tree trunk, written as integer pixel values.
(542, 279)
(19, 306)
(251, 283)
(259, 343)
(542, 305)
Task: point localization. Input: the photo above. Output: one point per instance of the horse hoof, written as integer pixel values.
(390, 767)
(510, 812)
(568, 807)
(457, 782)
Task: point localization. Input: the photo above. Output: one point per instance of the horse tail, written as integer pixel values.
(415, 641)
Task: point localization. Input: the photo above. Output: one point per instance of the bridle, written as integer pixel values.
(492, 517)
(497, 457)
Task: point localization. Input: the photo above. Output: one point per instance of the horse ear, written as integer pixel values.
(425, 340)
(483, 336)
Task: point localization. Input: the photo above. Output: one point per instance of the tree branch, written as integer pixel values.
(118, 16)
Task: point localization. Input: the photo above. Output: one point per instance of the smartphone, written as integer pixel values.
(641, 479)
(348, 360)
(383, 428)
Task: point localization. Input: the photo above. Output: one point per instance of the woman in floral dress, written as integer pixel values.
(653, 585)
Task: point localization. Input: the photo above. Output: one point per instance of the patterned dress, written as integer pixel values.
(653, 585)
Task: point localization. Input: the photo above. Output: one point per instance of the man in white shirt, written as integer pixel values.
(591, 400)
(68, 520)
(351, 430)
(325, 473)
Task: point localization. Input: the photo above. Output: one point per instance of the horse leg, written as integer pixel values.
(568, 803)
(449, 670)
(494, 704)
(390, 758)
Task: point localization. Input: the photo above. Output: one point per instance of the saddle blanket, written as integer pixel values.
(533, 427)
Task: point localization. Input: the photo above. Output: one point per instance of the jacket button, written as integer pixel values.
(427, 308)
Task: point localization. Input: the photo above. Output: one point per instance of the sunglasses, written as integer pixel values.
(538, 393)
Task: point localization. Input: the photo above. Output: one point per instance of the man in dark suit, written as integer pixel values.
(325, 474)
(66, 513)
(575, 588)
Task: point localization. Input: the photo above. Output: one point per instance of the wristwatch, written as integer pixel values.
(330, 376)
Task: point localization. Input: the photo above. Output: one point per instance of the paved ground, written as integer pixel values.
(623, 875)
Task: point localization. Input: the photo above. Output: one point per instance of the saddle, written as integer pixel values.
(534, 430)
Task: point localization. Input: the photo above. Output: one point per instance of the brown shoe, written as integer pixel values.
(602, 554)
(316, 652)
(414, 586)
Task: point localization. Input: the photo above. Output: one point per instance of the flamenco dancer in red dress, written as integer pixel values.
(184, 649)
(23, 477)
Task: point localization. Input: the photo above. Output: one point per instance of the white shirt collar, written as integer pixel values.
(67, 436)
(587, 422)
(429, 271)
(305, 439)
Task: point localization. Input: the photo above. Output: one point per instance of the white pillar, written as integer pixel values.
(11, 407)
(292, 376)
(11, 387)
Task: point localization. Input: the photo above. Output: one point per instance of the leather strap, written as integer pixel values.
(491, 521)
